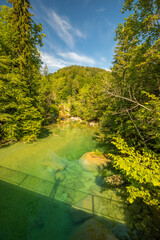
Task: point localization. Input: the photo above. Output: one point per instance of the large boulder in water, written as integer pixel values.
(92, 229)
(91, 161)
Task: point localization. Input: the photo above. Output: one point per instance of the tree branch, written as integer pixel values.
(126, 110)
(136, 128)
(128, 99)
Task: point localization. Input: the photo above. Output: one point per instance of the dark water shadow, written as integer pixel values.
(6, 144)
(143, 220)
(107, 147)
(26, 215)
(45, 132)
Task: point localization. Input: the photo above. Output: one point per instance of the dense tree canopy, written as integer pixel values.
(20, 79)
(132, 120)
(84, 90)
(136, 72)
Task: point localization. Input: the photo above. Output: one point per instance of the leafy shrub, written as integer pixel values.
(141, 170)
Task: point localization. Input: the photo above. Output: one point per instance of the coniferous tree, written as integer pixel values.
(136, 85)
(134, 120)
(20, 94)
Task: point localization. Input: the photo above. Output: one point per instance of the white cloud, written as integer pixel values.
(80, 59)
(52, 61)
(103, 59)
(63, 28)
(108, 69)
(65, 59)
(79, 33)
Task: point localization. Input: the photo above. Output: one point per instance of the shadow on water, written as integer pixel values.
(26, 215)
(45, 132)
(5, 144)
(143, 220)
(107, 147)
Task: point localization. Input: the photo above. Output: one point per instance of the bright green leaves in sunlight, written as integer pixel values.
(141, 170)
(133, 112)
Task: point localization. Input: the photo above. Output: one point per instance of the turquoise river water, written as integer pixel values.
(45, 194)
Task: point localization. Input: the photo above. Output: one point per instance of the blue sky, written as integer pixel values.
(79, 32)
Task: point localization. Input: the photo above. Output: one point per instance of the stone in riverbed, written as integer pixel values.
(93, 229)
(91, 161)
(114, 180)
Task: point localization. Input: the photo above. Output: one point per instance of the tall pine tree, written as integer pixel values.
(20, 87)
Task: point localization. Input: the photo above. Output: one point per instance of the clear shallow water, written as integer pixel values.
(66, 144)
(49, 183)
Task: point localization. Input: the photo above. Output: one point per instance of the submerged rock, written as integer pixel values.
(93, 229)
(91, 161)
(114, 180)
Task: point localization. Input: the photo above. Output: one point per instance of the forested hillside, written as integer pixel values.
(82, 90)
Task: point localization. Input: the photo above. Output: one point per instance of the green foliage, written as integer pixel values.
(83, 88)
(20, 115)
(141, 170)
(97, 152)
(126, 101)
(131, 120)
(48, 107)
(133, 109)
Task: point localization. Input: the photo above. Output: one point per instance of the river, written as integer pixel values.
(46, 193)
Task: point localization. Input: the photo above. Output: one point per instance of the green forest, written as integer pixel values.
(124, 102)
